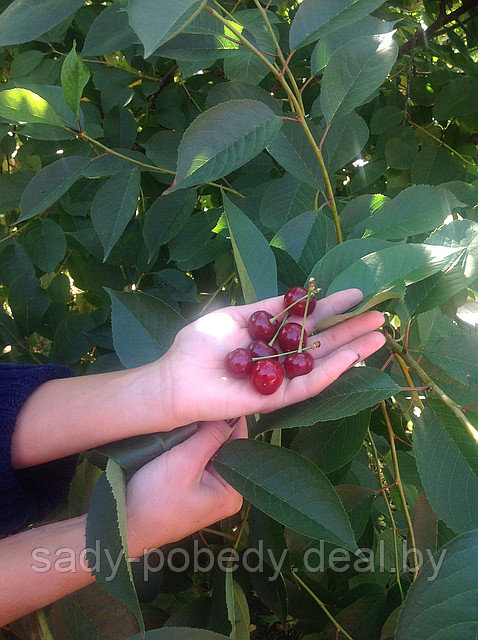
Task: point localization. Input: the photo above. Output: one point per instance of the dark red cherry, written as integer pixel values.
(260, 349)
(298, 364)
(266, 376)
(295, 294)
(239, 363)
(289, 337)
(260, 327)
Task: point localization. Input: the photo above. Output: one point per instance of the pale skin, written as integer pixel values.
(187, 384)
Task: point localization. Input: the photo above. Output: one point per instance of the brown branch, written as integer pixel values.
(433, 30)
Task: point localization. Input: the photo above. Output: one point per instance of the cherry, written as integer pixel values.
(289, 337)
(267, 376)
(298, 364)
(260, 349)
(260, 327)
(295, 294)
(239, 363)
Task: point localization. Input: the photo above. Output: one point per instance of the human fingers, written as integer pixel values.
(196, 451)
(239, 433)
(343, 333)
(328, 369)
(329, 306)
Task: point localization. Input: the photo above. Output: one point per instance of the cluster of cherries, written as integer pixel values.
(260, 361)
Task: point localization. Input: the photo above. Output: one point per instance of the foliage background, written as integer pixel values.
(101, 106)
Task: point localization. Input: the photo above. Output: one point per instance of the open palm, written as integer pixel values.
(203, 390)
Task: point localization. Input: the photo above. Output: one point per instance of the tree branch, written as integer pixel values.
(433, 30)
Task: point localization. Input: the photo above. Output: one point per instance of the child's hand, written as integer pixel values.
(194, 371)
(179, 492)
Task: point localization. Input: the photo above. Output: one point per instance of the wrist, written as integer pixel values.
(151, 389)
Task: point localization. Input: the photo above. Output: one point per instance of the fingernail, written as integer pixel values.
(232, 422)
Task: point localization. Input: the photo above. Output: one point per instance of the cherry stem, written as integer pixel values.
(309, 293)
(315, 345)
(277, 332)
(272, 320)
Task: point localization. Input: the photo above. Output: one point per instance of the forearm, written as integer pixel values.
(66, 416)
(40, 566)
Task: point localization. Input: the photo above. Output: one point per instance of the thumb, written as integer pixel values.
(199, 448)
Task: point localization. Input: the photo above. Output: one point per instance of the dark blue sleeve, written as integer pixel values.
(27, 495)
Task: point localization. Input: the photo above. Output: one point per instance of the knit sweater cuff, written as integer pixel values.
(27, 495)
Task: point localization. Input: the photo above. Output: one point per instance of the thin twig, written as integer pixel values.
(442, 396)
(398, 480)
(383, 489)
(322, 606)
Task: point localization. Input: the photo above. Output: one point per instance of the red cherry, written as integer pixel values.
(295, 294)
(298, 364)
(289, 337)
(260, 327)
(239, 363)
(266, 376)
(260, 349)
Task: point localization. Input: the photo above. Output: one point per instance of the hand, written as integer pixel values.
(194, 365)
(179, 492)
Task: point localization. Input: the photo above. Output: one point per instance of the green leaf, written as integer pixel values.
(113, 207)
(22, 105)
(110, 31)
(435, 165)
(28, 302)
(283, 200)
(144, 327)
(157, 22)
(12, 186)
(367, 26)
(224, 138)
(332, 444)
(242, 65)
(353, 73)
(358, 503)
(74, 78)
(461, 274)
(287, 487)
(457, 98)
(401, 150)
(24, 20)
(106, 530)
(315, 20)
(364, 306)
(291, 149)
(166, 217)
(415, 210)
(25, 63)
(344, 141)
(306, 238)
(179, 633)
(438, 607)
(226, 91)
(394, 267)
(134, 452)
(354, 215)
(355, 390)
(162, 149)
(456, 353)
(46, 244)
(49, 184)
(120, 128)
(342, 256)
(255, 261)
(446, 455)
(14, 262)
(385, 118)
